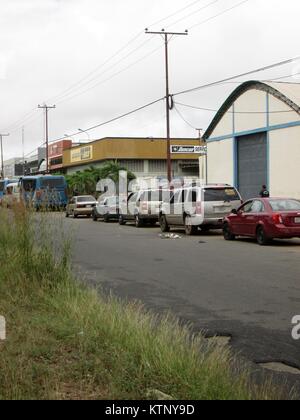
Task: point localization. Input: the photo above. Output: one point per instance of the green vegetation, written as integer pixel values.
(65, 341)
(84, 182)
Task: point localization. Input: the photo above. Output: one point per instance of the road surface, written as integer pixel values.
(227, 288)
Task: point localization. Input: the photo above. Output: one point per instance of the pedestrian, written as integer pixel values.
(264, 193)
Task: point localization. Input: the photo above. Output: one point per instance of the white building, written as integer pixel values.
(254, 139)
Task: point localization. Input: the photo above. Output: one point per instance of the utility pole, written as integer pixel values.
(166, 36)
(23, 149)
(46, 108)
(205, 150)
(2, 157)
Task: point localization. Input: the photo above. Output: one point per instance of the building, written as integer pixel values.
(254, 139)
(55, 154)
(13, 168)
(33, 163)
(145, 157)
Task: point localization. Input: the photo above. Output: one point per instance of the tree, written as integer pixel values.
(84, 182)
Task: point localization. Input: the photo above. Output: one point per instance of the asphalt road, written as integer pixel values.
(239, 288)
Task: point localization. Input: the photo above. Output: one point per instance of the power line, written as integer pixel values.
(193, 13)
(233, 112)
(218, 14)
(184, 119)
(248, 73)
(113, 119)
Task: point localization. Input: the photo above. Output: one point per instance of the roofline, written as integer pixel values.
(132, 138)
(239, 91)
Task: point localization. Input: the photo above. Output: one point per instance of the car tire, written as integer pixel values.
(75, 216)
(205, 229)
(122, 221)
(261, 237)
(190, 229)
(164, 224)
(67, 214)
(95, 218)
(228, 235)
(106, 218)
(138, 221)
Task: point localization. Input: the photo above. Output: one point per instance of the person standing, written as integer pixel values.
(264, 193)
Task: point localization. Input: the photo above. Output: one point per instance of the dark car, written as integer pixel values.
(264, 219)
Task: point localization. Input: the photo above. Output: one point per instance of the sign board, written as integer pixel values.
(188, 150)
(81, 154)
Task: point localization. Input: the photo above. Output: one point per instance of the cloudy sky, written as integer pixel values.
(92, 60)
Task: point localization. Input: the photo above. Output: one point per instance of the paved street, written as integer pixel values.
(238, 288)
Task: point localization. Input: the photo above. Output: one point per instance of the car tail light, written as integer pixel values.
(144, 206)
(199, 208)
(277, 219)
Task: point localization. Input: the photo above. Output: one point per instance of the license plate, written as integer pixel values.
(297, 220)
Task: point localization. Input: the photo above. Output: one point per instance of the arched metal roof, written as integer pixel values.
(243, 88)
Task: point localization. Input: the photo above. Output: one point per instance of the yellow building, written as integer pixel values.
(146, 157)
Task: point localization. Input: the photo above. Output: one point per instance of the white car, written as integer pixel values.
(81, 206)
(107, 209)
(199, 207)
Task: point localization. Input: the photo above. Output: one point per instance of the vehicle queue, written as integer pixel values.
(193, 208)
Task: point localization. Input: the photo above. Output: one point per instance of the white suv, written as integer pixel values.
(199, 207)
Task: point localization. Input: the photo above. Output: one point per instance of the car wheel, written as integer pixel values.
(228, 236)
(95, 218)
(205, 229)
(122, 221)
(67, 214)
(164, 224)
(190, 229)
(106, 218)
(261, 236)
(138, 221)
(75, 216)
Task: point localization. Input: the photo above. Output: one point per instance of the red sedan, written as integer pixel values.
(264, 219)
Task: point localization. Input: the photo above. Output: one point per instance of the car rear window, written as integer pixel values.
(285, 205)
(156, 195)
(221, 194)
(86, 199)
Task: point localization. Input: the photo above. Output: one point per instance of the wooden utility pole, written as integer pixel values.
(166, 36)
(46, 108)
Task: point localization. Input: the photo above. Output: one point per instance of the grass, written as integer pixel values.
(65, 341)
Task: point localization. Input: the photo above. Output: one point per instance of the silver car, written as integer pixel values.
(107, 209)
(81, 206)
(199, 207)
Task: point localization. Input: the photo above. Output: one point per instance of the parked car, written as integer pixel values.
(264, 219)
(81, 206)
(199, 207)
(107, 209)
(142, 207)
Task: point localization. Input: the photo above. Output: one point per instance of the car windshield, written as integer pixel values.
(221, 194)
(29, 185)
(86, 199)
(285, 205)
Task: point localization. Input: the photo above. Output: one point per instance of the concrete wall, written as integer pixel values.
(220, 162)
(284, 146)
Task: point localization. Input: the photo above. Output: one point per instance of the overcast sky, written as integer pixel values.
(60, 51)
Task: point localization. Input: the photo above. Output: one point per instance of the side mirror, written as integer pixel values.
(234, 211)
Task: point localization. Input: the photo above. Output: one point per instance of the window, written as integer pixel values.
(247, 207)
(285, 205)
(257, 207)
(84, 199)
(29, 185)
(52, 183)
(2, 184)
(192, 198)
(221, 194)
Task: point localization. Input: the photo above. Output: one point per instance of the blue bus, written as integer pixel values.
(44, 191)
(4, 183)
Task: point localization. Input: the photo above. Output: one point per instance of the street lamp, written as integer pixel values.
(86, 132)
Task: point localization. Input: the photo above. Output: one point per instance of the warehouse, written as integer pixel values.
(145, 157)
(254, 139)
